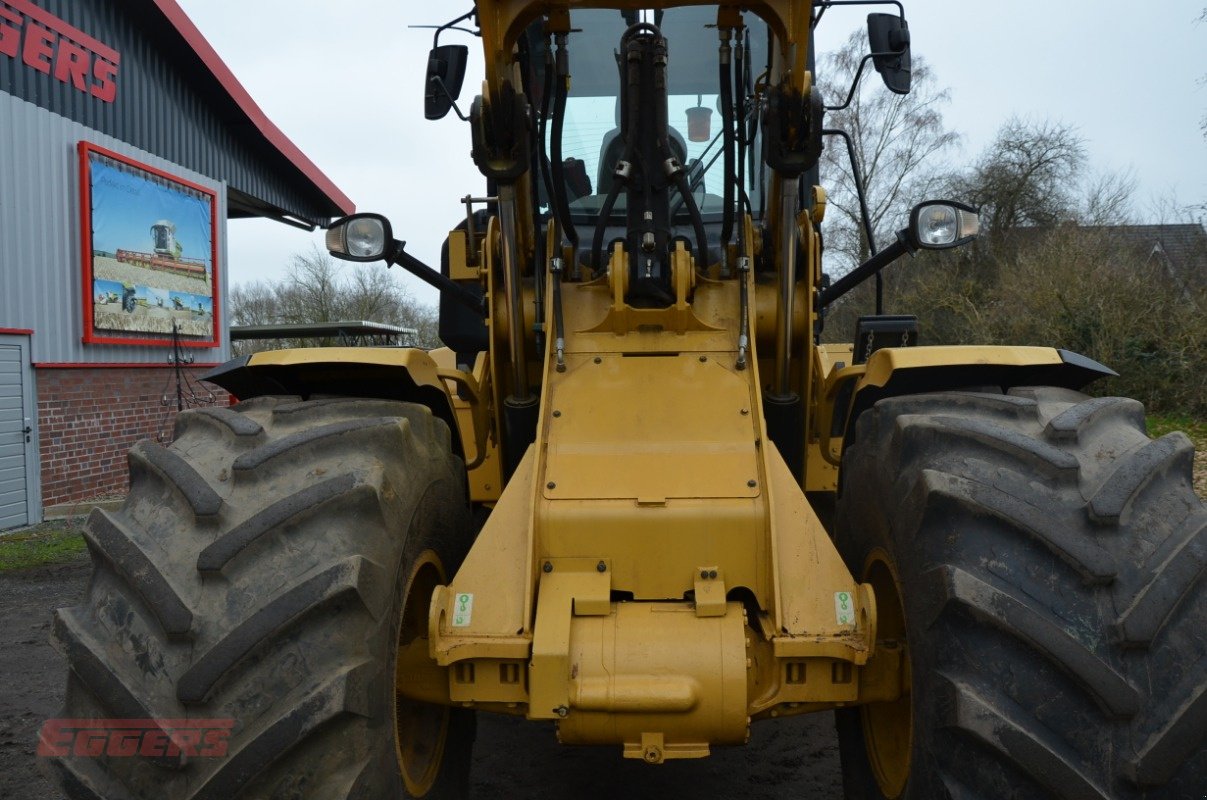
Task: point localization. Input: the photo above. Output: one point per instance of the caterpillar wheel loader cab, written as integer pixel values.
(599, 504)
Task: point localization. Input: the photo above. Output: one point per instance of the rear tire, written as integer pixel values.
(1048, 558)
(259, 571)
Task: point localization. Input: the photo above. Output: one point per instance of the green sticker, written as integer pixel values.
(463, 610)
(844, 608)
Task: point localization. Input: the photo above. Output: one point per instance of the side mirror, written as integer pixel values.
(368, 237)
(942, 224)
(933, 225)
(445, 74)
(360, 237)
(888, 38)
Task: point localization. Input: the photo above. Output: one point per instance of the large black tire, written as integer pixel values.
(257, 572)
(1048, 557)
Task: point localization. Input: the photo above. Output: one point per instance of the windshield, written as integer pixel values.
(592, 118)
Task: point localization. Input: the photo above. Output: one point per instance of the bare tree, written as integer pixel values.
(315, 290)
(1107, 198)
(1027, 176)
(320, 290)
(1035, 174)
(253, 304)
(899, 143)
(1203, 80)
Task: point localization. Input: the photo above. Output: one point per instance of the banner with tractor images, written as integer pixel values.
(150, 253)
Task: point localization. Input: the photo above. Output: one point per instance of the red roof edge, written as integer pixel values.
(185, 27)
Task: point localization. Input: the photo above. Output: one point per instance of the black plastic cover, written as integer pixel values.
(445, 74)
(888, 38)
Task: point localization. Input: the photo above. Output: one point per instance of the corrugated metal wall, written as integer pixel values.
(167, 103)
(41, 278)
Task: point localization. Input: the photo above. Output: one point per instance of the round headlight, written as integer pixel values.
(361, 237)
(366, 238)
(939, 225)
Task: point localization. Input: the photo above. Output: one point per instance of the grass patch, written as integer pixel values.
(1161, 424)
(48, 543)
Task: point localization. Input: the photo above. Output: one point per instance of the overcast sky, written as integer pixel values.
(345, 82)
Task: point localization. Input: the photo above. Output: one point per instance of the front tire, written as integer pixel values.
(1046, 557)
(266, 568)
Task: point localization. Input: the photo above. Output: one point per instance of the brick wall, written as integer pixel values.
(89, 417)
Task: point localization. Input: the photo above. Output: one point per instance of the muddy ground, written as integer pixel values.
(513, 758)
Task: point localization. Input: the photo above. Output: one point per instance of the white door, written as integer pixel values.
(16, 437)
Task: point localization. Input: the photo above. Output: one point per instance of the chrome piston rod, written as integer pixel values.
(515, 306)
(787, 285)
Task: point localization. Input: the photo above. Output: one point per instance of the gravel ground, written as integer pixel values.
(513, 758)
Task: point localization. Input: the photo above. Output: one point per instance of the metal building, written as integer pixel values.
(125, 145)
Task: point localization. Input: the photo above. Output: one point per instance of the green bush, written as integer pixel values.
(1084, 290)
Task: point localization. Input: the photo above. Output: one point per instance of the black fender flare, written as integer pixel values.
(892, 372)
(407, 374)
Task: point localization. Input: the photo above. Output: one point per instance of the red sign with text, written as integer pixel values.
(149, 738)
(51, 46)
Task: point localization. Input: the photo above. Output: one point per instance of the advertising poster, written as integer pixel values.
(149, 253)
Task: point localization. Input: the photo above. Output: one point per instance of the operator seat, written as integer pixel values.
(613, 148)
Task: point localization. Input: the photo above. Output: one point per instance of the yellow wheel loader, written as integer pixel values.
(634, 496)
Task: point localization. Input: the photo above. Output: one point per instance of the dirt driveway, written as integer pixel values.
(513, 758)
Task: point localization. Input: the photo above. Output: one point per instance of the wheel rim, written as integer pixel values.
(888, 727)
(420, 729)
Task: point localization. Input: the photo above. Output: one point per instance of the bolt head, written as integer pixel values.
(548, 567)
(550, 485)
(751, 483)
(601, 567)
(557, 413)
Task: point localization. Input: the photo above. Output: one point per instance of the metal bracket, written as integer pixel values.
(569, 587)
(710, 592)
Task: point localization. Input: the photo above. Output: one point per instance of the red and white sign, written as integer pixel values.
(51, 46)
(126, 738)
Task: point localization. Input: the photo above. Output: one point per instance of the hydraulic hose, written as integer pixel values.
(543, 124)
(559, 199)
(538, 281)
(539, 241)
(739, 95)
(743, 265)
(693, 211)
(605, 213)
(727, 123)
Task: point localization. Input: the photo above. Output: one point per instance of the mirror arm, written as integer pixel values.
(822, 5)
(397, 255)
(863, 209)
(859, 76)
(452, 100)
(867, 269)
(453, 24)
(854, 83)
